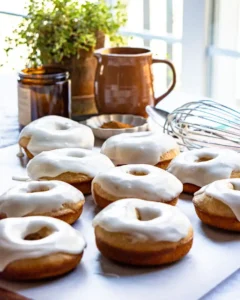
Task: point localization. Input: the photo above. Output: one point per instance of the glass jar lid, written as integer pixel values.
(46, 72)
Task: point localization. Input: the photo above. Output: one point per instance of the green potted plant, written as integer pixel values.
(66, 32)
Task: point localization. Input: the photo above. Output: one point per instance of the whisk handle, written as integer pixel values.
(172, 85)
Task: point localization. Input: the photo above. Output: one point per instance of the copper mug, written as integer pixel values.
(124, 81)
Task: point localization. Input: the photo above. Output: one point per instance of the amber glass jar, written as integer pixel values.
(43, 91)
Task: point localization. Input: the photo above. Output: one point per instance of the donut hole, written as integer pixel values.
(76, 154)
(204, 158)
(62, 126)
(147, 214)
(138, 173)
(231, 186)
(38, 190)
(38, 235)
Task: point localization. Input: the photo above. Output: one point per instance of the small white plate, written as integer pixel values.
(139, 123)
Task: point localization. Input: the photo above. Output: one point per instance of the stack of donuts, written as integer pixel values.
(136, 180)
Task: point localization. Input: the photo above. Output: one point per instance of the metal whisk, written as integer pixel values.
(205, 123)
(200, 124)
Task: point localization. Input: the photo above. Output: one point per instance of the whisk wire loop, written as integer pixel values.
(205, 123)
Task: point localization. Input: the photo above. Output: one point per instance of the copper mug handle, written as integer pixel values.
(172, 85)
(98, 56)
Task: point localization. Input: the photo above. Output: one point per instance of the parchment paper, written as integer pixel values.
(213, 257)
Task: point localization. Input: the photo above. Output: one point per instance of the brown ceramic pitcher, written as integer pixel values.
(124, 81)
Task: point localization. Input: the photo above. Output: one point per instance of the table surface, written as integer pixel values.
(213, 257)
(229, 288)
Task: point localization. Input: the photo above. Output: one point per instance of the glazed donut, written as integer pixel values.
(200, 167)
(34, 248)
(54, 132)
(143, 233)
(218, 204)
(75, 166)
(135, 181)
(149, 147)
(46, 198)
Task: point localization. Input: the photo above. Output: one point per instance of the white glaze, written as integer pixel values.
(13, 246)
(29, 198)
(54, 132)
(21, 178)
(55, 162)
(156, 185)
(221, 191)
(159, 221)
(222, 164)
(138, 147)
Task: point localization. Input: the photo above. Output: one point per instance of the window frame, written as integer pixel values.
(194, 12)
(197, 42)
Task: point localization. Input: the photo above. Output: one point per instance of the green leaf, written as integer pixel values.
(54, 29)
